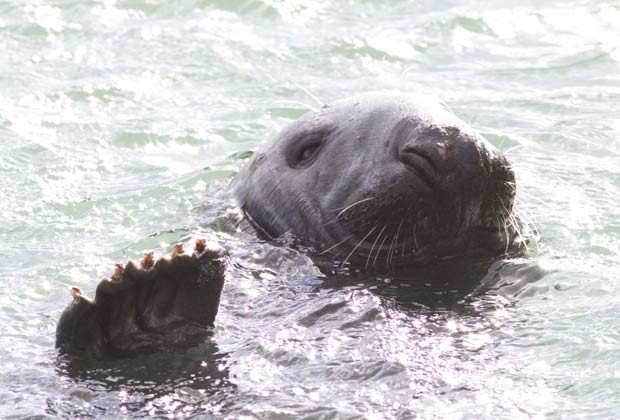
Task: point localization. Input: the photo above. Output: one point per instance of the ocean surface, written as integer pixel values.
(122, 124)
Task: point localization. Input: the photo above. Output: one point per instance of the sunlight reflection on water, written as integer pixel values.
(117, 116)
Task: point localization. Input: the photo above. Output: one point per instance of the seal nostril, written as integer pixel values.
(421, 162)
(410, 153)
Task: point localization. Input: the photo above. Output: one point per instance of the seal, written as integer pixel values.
(382, 180)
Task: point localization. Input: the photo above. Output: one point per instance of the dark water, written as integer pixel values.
(123, 122)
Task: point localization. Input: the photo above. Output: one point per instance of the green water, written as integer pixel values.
(123, 122)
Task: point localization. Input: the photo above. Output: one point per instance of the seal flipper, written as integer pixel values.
(169, 303)
(79, 326)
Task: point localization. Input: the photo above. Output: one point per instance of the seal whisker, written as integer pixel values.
(373, 246)
(400, 225)
(335, 245)
(512, 149)
(518, 228)
(529, 223)
(357, 246)
(379, 251)
(352, 205)
(387, 259)
(310, 94)
(391, 251)
(508, 216)
(514, 223)
(537, 199)
(502, 228)
(344, 209)
(507, 235)
(393, 244)
(512, 219)
(350, 221)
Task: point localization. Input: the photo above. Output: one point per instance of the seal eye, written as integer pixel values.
(306, 154)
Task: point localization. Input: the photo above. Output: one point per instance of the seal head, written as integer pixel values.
(383, 179)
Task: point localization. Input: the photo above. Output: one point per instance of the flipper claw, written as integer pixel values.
(177, 250)
(118, 272)
(200, 246)
(147, 260)
(76, 294)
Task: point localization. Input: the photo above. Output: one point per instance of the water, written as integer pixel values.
(123, 122)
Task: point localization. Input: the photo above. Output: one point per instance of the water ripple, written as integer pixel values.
(122, 123)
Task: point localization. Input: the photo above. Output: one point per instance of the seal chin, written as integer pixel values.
(378, 250)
